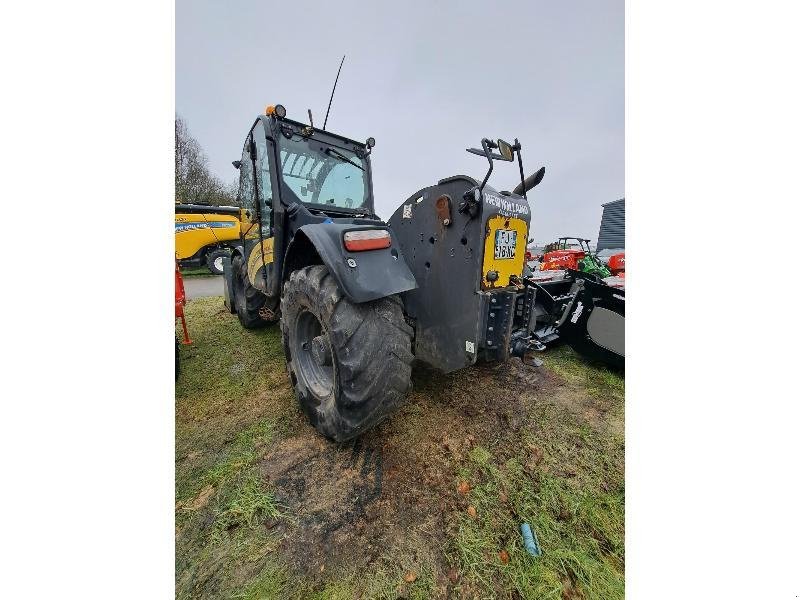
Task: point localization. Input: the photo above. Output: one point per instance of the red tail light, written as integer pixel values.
(367, 239)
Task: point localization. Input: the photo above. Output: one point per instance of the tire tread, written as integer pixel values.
(372, 345)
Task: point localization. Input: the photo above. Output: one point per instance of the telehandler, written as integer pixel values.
(359, 299)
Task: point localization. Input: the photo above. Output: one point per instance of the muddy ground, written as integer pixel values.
(427, 505)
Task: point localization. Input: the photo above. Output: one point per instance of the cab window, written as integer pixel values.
(325, 175)
(343, 186)
(246, 191)
(262, 172)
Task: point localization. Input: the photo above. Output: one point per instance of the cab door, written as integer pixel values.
(256, 196)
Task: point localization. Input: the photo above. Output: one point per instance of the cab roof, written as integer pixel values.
(319, 134)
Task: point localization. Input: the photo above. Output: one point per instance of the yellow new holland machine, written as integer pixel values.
(204, 235)
(359, 299)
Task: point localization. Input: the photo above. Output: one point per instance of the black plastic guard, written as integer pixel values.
(376, 274)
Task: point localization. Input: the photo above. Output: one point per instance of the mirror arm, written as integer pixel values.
(518, 148)
(482, 153)
(486, 143)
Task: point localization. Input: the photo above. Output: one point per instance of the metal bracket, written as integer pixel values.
(499, 322)
(574, 292)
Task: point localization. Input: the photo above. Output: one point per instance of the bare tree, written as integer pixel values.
(194, 183)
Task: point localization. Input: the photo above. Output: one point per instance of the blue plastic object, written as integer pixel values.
(530, 540)
(328, 220)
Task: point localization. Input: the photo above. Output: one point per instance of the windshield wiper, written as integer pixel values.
(339, 155)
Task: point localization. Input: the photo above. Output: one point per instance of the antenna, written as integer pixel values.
(332, 92)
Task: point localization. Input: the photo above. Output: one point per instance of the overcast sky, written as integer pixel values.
(427, 80)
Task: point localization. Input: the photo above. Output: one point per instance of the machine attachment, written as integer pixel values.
(584, 312)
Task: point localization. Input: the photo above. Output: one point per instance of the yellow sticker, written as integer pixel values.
(504, 250)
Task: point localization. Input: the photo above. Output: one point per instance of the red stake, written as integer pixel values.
(180, 302)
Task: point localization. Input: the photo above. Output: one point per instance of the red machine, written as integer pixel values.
(560, 255)
(529, 256)
(562, 259)
(180, 302)
(616, 264)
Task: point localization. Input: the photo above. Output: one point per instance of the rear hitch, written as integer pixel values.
(537, 345)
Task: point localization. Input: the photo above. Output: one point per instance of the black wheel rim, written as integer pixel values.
(313, 356)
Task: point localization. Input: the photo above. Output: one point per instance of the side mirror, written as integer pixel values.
(506, 149)
(237, 163)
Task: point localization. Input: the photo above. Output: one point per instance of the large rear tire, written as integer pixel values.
(350, 364)
(249, 302)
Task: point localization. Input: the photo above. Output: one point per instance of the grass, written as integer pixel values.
(562, 474)
(227, 410)
(197, 272)
(226, 367)
(276, 583)
(598, 380)
(272, 582)
(580, 530)
(246, 504)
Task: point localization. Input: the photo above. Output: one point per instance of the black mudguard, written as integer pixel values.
(376, 274)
